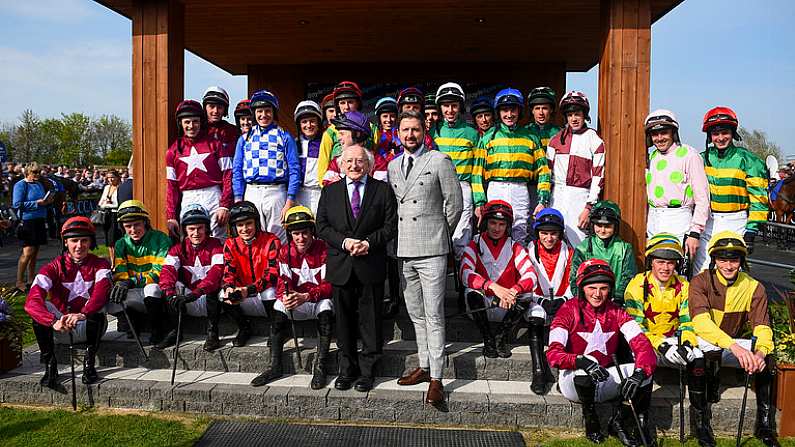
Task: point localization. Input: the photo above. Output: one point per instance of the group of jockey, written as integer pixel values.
(534, 243)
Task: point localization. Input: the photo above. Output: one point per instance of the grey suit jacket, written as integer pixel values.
(429, 204)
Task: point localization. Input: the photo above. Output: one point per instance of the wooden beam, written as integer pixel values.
(157, 88)
(623, 105)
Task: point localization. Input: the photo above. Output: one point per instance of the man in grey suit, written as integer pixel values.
(429, 206)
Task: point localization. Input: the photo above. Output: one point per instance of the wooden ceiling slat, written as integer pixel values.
(544, 31)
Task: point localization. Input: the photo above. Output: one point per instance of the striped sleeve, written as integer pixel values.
(541, 171)
(120, 272)
(478, 191)
(163, 244)
(225, 159)
(527, 274)
(562, 325)
(173, 194)
(597, 172)
(685, 323)
(645, 356)
(756, 183)
(270, 276)
(170, 271)
(324, 154)
(469, 276)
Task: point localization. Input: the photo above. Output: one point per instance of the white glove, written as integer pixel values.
(672, 354)
(688, 352)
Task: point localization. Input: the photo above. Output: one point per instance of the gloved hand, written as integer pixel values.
(688, 352)
(118, 294)
(749, 237)
(632, 383)
(672, 353)
(551, 306)
(593, 369)
(179, 301)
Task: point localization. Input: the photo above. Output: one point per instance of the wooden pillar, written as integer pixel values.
(623, 105)
(157, 88)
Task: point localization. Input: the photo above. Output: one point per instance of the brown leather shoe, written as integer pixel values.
(435, 394)
(419, 375)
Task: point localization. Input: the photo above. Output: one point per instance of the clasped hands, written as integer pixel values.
(67, 322)
(293, 300)
(507, 296)
(356, 247)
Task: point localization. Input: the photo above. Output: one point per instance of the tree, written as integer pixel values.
(756, 141)
(26, 136)
(109, 134)
(74, 139)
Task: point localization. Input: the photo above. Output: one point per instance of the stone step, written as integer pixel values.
(471, 402)
(464, 360)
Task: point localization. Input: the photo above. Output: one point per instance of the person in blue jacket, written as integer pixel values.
(266, 170)
(31, 202)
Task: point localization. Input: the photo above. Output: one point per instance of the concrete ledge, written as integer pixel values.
(471, 402)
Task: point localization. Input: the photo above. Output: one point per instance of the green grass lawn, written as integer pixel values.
(34, 427)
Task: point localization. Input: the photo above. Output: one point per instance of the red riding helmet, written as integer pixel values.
(243, 108)
(347, 89)
(496, 209)
(78, 226)
(594, 271)
(720, 116)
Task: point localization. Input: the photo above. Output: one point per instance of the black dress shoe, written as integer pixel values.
(364, 384)
(344, 383)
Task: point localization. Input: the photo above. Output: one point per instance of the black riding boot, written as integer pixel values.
(158, 319)
(702, 423)
(621, 423)
(243, 325)
(505, 332)
(642, 403)
(540, 365)
(170, 324)
(279, 330)
(765, 429)
(44, 338)
(481, 319)
(213, 316)
(95, 327)
(586, 391)
(325, 321)
(713, 380)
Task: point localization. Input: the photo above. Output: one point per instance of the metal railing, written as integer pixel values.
(782, 235)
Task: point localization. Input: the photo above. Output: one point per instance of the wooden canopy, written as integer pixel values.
(285, 45)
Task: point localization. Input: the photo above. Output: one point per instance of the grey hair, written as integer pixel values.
(368, 154)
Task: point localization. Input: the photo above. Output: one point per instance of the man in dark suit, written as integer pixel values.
(356, 217)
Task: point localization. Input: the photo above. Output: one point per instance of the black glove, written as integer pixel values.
(118, 294)
(632, 383)
(179, 301)
(551, 306)
(593, 369)
(749, 237)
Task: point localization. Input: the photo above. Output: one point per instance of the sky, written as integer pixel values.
(63, 56)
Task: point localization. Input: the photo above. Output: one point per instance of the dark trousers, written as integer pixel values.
(358, 308)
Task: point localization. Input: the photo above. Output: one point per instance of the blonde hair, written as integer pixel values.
(32, 168)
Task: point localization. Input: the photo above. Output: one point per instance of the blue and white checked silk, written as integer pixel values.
(264, 155)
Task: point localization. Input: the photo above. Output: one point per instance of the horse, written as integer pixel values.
(782, 200)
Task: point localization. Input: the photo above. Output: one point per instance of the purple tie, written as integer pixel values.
(356, 200)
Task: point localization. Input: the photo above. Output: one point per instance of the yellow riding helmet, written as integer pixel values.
(132, 210)
(664, 246)
(298, 217)
(727, 244)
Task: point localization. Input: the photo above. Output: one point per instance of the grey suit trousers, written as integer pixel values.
(423, 283)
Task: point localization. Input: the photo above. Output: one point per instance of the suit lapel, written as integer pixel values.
(368, 194)
(347, 201)
(419, 166)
